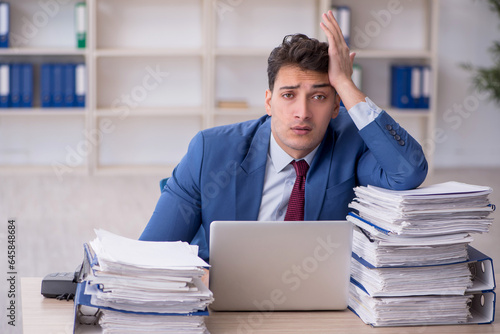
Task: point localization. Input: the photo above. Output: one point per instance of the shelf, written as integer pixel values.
(392, 54)
(155, 111)
(408, 112)
(42, 112)
(42, 52)
(254, 111)
(131, 169)
(264, 52)
(131, 52)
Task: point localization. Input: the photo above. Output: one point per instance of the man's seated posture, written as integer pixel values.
(301, 161)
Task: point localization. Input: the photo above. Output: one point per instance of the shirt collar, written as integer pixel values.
(280, 159)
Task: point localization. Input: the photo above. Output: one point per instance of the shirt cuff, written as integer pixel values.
(364, 113)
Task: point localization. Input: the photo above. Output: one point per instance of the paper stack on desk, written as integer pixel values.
(412, 261)
(142, 286)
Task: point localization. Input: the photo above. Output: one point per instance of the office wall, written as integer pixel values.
(467, 122)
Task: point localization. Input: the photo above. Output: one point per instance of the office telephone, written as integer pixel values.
(61, 285)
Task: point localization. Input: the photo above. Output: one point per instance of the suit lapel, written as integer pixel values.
(317, 178)
(250, 178)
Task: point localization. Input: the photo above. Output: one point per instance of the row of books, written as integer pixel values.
(412, 262)
(132, 286)
(410, 86)
(16, 85)
(80, 24)
(62, 85)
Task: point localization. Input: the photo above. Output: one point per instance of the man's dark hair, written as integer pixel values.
(299, 50)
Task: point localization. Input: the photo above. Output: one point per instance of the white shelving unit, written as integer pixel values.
(157, 69)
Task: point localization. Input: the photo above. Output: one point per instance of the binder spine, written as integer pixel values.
(4, 85)
(69, 85)
(15, 85)
(4, 24)
(46, 85)
(81, 24)
(57, 85)
(80, 85)
(27, 86)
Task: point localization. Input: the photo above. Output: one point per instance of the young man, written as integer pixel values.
(247, 171)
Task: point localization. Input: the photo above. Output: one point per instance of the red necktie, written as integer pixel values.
(295, 209)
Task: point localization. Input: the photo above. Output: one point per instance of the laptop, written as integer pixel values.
(278, 266)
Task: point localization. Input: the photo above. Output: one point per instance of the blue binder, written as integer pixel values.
(46, 85)
(4, 85)
(27, 86)
(69, 85)
(15, 85)
(57, 85)
(4, 24)
(401, 86)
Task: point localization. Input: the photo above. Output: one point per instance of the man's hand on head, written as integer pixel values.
(340, 65)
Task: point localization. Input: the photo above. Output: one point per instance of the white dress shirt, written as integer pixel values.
(280, 174)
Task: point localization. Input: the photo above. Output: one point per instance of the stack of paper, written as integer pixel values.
(144, 286)
(411, 252)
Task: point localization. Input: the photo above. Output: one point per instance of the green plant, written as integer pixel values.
(487, 79)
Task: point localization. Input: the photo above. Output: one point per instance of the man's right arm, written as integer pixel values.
(177, 215)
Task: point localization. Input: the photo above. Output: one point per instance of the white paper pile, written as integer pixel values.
(159, 282)
(410, 250)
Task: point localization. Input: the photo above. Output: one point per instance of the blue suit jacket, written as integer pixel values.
(222, 175)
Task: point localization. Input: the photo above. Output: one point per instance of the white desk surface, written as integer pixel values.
(44, 315)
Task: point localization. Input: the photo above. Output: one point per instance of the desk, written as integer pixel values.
(42, 315)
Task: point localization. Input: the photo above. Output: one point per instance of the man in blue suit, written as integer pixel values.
(243, 171)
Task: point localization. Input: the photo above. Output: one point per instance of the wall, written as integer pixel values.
(467, 122)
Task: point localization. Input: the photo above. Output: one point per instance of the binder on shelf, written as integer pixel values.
(81, 24)
(57, 85)
(4, 24)
(80, 85)
(343, 16)
(357, 75)
(4, 85)
(46, 85)
(410, 86)
(27, 86)
(15, 85)
(69, 85)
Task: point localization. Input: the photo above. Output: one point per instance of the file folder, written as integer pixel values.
(46, 85)
(57, 85)
(69, 85)
(15, 85)
(80, 85)
(4, 85)
(27, 86)
(81, 24)
(4, 24)
(342, 15)
(401, 96)
(426, 87)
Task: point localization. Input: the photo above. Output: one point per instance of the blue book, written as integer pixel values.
(4, 24)
(46, 85)
(401, 87)
(69, 85)
(27, 86)
(57, 85)
(15, 85)
(80, 85)
(4, 85)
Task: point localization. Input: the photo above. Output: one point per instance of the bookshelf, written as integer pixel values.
(149, 91)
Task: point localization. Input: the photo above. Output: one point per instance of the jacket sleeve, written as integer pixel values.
(394, 159)
(177, 215)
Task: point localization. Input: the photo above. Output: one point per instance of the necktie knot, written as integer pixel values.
(301, 167)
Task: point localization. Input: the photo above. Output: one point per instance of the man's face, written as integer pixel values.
(301, 105)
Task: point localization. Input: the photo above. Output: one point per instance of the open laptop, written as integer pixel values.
(271, 266)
